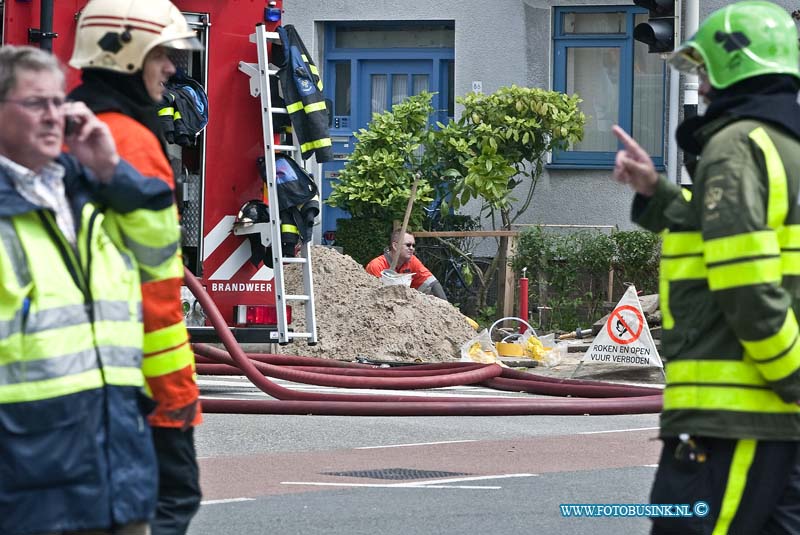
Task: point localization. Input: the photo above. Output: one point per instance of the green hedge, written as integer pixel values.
(569, 272)
(363, 239)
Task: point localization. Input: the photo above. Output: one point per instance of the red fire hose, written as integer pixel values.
(617, 399)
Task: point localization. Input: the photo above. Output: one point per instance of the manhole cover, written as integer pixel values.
(396, 473)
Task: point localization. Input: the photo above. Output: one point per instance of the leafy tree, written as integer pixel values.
(498, 144)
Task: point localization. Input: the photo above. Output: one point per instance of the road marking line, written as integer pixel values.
(617, 431)
(415, 444)
(462, 479)
(387, 485)
(650, 465)
(229, 500)
(432, 484)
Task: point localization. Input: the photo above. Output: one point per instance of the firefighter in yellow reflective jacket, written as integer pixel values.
(730, 280)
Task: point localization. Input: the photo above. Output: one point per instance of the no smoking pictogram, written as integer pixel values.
(625, 328)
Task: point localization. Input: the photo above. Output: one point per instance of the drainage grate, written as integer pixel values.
(397, 473)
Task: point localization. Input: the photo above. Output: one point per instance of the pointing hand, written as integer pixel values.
(633, 166)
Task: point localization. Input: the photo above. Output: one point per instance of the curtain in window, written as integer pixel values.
(399, 88)
(594, 23)
(420, 82)
(378, 104)
(593, 73)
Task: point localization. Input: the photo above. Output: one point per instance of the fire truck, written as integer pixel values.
(217, 175)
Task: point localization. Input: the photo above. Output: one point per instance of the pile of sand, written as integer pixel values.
(358, 317)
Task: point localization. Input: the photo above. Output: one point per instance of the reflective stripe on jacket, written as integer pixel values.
(75, 450)
(168, 358)
(730, 286)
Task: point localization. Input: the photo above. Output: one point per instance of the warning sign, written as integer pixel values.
(626, 339)
(622, 332)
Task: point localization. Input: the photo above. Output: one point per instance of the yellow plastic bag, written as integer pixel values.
(535, 347)
(479, 349)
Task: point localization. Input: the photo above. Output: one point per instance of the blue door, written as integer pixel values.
(376, 87)
(361, 87)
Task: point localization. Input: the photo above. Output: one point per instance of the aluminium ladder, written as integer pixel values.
(259, 86)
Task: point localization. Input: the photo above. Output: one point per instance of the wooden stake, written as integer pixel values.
(396, 254)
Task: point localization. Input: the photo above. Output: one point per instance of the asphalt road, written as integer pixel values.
(445, 475)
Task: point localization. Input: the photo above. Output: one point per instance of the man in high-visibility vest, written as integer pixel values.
(730, 280)
(76, 454)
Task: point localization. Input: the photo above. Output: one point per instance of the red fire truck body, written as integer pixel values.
(220, 173)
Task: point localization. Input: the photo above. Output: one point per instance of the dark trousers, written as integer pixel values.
(178, 481)
(751, 487)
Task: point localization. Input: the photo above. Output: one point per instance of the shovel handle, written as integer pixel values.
(406, 217)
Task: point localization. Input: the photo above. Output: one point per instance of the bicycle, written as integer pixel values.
(452, 264)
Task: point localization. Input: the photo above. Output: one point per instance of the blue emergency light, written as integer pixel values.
(272, 14)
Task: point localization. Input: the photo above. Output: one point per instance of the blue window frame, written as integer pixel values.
(595, 56)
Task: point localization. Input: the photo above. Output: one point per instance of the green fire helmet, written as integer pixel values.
(740, 41)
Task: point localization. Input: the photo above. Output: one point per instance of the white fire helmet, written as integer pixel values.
(117, 34)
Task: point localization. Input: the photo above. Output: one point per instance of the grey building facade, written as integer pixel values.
(535, 43)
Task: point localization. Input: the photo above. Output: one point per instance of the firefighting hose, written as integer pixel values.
(592, 397)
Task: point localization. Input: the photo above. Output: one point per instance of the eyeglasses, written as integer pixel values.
(38, 104)
(410, 245)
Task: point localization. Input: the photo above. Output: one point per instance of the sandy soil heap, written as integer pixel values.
(359, 317)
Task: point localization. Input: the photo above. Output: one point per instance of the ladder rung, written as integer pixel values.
(288, 148)
(280, 110)
(273, 36)
(272, 72)
(295, 297)
(299, 335)
(294, 260)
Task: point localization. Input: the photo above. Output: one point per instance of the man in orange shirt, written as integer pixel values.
(422, 280)
(122, 48)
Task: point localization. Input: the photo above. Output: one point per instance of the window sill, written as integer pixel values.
(556, 166)
(588, 166)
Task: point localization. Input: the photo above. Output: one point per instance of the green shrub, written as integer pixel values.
(363, 239)
(569, 272)
(636, 260)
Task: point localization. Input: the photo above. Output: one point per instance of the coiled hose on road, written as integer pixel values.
(595, 397)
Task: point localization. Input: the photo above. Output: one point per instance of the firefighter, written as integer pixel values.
(730, 280)
(76, 454)
(125, 65)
